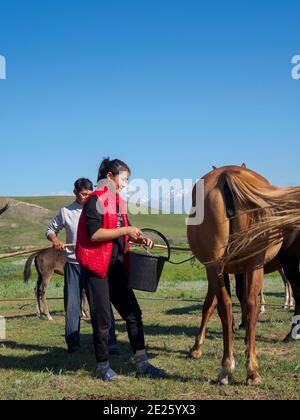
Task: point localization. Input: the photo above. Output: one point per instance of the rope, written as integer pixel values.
(168, 299)
(182, 262)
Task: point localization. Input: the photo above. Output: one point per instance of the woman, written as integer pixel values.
(103, 235)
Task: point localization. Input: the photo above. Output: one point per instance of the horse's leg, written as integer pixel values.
(37, 292)
(216, 279)
(254, 283)
(228, 288)
(37, 297)
(207, 312)
(289, 297)
(240, 292)
(291, 270)
(262, 302)
(286, 288)
(44, 287)
(84, 305)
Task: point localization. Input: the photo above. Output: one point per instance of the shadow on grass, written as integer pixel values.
(34, 315)
(191, 332)
(56, 361)
(185, 311)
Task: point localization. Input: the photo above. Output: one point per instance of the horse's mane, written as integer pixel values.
(271, 211)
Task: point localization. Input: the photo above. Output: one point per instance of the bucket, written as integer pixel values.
(145, 270)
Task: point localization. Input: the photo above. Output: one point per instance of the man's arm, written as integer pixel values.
(53, 230)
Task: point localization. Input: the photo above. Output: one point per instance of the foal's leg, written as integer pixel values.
(37, 300)
(216, 279)
(254, 283)
(208, 310)
(44, 287)
(37, 293)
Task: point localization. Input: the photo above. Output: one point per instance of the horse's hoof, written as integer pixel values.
(225, 379)
(195, 353)
(49, 317)
(254, 380)
(262, 312)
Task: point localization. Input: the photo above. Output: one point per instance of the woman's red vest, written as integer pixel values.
(96, 256)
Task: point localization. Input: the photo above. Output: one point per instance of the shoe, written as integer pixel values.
(151, 372)
(108, 376)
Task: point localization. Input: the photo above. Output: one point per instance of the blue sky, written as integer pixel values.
(171, 87)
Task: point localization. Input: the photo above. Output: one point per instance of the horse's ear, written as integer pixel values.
(244, 165)
(214, 168)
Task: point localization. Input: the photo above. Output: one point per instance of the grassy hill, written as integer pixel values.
(25, 223)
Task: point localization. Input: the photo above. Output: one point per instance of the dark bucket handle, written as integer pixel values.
(163, 238)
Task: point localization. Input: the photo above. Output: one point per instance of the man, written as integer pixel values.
(68, 219)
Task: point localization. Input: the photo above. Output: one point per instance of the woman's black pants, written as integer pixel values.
(100, 292)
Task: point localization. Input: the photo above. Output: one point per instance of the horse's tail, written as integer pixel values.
(27, 268)
(270, 210)
(4, 209)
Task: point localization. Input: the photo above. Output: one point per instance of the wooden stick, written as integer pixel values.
(30, 251)
(36, 250)
(173, 248)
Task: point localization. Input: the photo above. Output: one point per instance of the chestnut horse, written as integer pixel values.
(237, 201)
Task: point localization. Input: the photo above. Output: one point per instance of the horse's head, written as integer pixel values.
(4, 209)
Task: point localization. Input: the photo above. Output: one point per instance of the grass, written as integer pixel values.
(34, 364)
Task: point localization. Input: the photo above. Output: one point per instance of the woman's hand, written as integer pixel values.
(134, 233)
(145, 241)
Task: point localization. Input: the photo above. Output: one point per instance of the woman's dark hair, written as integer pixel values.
(114, 166)
(83, 184)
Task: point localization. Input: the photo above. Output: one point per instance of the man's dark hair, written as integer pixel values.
(83, 184)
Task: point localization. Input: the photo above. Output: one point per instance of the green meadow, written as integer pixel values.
(35, 365)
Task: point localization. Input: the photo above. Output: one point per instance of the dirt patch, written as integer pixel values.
(274, 352)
